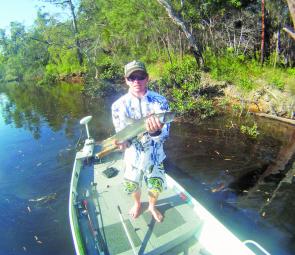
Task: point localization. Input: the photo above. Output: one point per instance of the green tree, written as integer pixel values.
(70, 6)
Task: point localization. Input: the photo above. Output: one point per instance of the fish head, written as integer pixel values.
(166, 117)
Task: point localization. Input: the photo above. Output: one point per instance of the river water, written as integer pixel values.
(216, 163)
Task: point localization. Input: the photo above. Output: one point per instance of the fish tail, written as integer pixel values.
(106, 150)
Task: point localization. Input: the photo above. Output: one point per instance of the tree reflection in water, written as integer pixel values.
(26, 106)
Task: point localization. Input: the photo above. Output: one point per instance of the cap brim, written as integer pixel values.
(132, 70)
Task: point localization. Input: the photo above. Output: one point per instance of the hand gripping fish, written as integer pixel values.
(136, 128)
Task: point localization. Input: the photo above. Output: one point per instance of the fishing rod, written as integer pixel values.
(96, 236)
(85, 202)
(102, 237)
(126, 231)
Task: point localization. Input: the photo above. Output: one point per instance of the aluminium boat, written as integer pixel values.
(100, 223)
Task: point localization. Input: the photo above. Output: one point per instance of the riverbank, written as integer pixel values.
(202, 96)
(266, 99)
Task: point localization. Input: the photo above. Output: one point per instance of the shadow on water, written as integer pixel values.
(212, 159)
(222, 168)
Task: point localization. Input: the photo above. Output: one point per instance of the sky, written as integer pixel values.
(24, 11)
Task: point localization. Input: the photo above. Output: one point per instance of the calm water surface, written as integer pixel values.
(39, 131)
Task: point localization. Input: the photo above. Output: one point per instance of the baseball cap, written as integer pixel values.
(134, 66)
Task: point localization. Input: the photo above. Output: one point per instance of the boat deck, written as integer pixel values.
(101, 223)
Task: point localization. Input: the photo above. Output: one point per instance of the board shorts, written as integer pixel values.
(154, 178)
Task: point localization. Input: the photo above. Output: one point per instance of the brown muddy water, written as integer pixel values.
(218, 164)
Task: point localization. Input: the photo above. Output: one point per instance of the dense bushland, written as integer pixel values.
(102, 35)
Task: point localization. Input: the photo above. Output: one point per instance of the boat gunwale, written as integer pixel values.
(75, 228)
(206, 216)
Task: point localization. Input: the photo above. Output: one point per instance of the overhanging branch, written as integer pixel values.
(179, 22)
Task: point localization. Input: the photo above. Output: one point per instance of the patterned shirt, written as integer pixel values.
(146, 150)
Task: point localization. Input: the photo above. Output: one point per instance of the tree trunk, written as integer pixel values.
(69, 3)
(278, 46)
(76, 33)
(167, 49)
(262, 31)
(192, 42)
(180, 44)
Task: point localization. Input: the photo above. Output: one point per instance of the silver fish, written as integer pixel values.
(134, 129)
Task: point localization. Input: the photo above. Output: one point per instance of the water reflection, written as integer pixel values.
(212, 159)
(26, 107)
(39, 131)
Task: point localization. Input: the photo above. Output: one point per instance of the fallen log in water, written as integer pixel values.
(284, 156)
(279, 166)
(289, 121)
(289, 178)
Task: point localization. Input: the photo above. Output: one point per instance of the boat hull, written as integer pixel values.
(97, 229)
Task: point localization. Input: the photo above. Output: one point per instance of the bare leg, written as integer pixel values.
(135, 209)
(153, 197)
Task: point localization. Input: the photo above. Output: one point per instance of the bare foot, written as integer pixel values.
(135, 211)
(156, 214)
